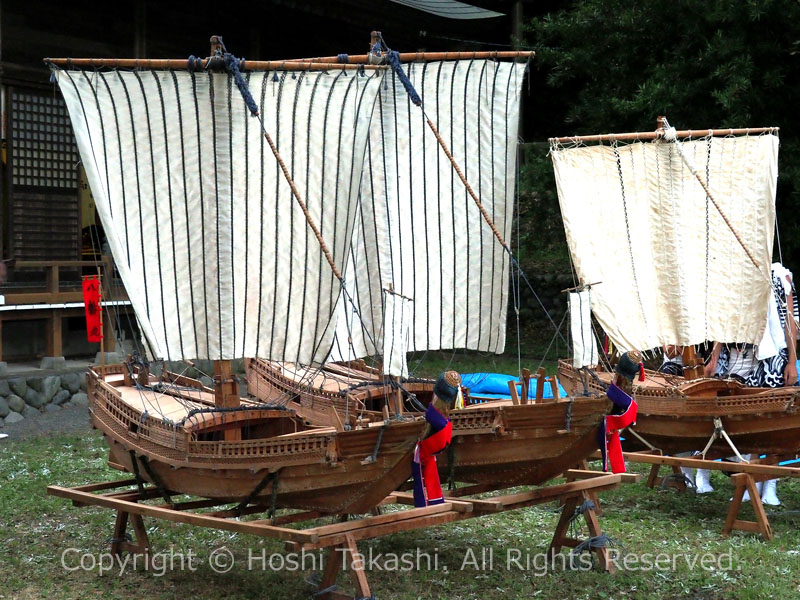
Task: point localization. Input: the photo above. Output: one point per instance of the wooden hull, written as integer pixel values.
(317, 468)
(495, 443)
(677, 416)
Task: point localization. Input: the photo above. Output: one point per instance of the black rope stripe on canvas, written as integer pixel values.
(494, 214)
(216, 208)
(480, 195)
(261, 221)
(453, 194)
(348, 246)
(102, 133)
(439, 210)
(398, 277)
(154, 209)
(290, 274)
(427, 246)
(504, 288)
(171, 217)
(466, 201)
(102, 77)
(411, 149)
(246, 121)
(308, 200)
(186, 206)
(278, 212)
(232, 215)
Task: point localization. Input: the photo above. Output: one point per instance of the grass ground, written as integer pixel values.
(36, 530)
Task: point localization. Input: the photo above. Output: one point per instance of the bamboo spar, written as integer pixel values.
(182, 63)
(423, 56)
(658, 134)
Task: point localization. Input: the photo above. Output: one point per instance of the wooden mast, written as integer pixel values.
(226, 389)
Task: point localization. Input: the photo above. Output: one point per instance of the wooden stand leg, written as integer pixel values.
(333, 564)
(593, 496)
(745, 481)
(354, 566)
(594, 530)
(560, 538)
(141, 544)
(653, 478)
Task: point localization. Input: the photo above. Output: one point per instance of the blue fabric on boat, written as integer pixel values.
(495, 386)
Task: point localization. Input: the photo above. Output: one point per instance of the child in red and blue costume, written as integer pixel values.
(435, 439)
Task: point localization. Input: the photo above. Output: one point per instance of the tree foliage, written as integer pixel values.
(615, 65)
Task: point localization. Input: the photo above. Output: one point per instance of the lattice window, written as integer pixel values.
(43, 146)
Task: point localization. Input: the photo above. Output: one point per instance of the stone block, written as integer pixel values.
(80, 399)
(61, 397)
(50, 387)
(13, 417)
(33, 399)
(71, 382)
(53, 362)
(16, 403)
(18, 385)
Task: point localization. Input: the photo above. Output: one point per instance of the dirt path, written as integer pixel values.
(73, 419)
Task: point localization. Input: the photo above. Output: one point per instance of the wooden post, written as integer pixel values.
(53, 282)
(53, 338)
(512, 389)
(226, 394)
(526, 382)
(540, 374)
(692, 365)
(554, 387)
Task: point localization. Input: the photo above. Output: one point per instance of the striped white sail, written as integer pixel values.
(672, 271)
(420, 232)
(215, 253)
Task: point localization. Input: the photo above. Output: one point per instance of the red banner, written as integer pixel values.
(91, 301)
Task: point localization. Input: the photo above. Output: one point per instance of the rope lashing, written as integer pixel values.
(393, 58)
(581, 510)
(670, 135)
(343, 58)
(194, 63)
(598, 541)
(232, 66)
(679, 478)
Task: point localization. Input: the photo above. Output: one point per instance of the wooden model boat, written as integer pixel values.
(678, 415)
(297, 237)
(259, 454)
(495, 443)
(675, 230)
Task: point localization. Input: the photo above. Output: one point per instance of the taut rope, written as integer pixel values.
(232, 66)
(670, 135)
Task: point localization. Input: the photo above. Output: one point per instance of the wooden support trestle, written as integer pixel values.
(341, 538)
(745, 476)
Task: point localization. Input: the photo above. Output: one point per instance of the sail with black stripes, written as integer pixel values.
(219, 260)
(419, 232)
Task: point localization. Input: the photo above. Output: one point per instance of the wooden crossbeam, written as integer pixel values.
(774, 471)
(341, 538)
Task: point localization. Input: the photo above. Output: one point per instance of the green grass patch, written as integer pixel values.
(36, 529)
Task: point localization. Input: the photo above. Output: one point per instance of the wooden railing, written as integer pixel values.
(54, 292)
